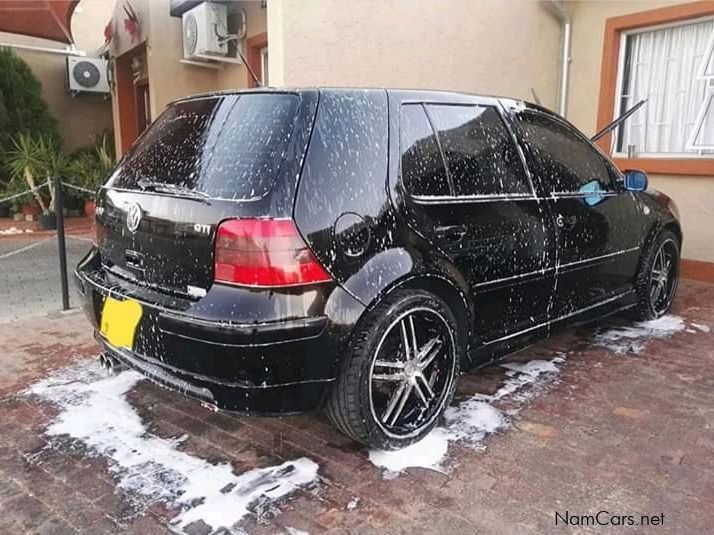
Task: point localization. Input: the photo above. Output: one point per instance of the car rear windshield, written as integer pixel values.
(227, 147)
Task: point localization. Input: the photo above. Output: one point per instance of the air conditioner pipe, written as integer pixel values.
(562, 15)
(69, 51)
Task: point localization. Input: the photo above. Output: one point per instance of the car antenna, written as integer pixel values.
(247, 66)
(535, 97)
(236, 38)
(617, 122)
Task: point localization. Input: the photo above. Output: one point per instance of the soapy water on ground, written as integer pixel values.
(469, 422)
(632, 338)
(94, 411)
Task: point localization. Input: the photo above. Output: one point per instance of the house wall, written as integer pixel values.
(479, 46)
(693, 194)
(467, 45)
(79, 118)
(162, 36)
(234, 77)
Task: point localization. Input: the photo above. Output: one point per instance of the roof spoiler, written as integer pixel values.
(617, 122)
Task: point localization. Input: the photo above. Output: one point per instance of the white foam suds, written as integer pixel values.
(93, 409)
(470, 421)
(632, 338)
(427, 453)
(353, 503)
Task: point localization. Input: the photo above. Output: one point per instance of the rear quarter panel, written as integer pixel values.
(346, 204)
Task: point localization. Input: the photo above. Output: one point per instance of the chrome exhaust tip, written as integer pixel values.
(111, 364)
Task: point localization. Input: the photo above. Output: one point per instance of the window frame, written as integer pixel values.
(614, 27)
(462, 199)
(617, 110)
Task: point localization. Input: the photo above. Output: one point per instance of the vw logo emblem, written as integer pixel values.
(133, 217)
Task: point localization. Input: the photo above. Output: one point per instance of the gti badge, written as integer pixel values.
(133, 217)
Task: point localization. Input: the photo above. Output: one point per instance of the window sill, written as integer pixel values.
(669, 166)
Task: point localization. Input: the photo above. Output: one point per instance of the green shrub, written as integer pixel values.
(22, 108)
(90, 166)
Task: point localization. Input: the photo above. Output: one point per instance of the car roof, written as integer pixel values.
(404, 94)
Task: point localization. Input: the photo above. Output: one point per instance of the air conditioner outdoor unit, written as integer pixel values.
(87, 75)
(202, 27)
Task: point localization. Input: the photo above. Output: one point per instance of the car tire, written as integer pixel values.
(380, 363)
(655, 293)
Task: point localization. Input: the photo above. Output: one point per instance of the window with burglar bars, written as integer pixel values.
(673, 68)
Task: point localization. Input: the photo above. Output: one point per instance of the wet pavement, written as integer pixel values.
(629, 433)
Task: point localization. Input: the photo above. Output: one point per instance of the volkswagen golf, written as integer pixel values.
(279, 251)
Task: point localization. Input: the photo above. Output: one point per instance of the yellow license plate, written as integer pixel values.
(119, 321)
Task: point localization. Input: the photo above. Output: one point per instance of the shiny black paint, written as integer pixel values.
(598, 242)
(504, 264)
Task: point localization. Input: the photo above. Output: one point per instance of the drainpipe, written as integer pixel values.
(561, 13)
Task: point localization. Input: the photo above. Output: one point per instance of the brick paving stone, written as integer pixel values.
(630, 433)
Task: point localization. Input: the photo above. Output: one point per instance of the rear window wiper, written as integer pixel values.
(173, 189)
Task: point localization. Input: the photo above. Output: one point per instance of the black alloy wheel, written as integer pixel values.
(401, 373)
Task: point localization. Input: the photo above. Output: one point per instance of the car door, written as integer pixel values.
(468, 191)
(595, 218)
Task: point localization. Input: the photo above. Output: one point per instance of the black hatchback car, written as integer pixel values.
(279, 251)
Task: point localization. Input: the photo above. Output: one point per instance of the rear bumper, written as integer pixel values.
(269, 367)
(301, 396)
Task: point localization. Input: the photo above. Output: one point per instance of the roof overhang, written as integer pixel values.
(47, 19)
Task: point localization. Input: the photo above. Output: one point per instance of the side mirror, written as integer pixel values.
(635, 180)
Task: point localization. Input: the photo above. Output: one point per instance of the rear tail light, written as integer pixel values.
(264, 252)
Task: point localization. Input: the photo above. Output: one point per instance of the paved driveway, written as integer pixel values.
(30, 276)
(621, 422)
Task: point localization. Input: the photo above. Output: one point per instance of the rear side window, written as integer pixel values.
(423, 170)
(480, 154)
(228, 147)
(566, 162)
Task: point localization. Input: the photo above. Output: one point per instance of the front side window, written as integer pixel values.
(672, 67)
(480, 154)
(564, 161)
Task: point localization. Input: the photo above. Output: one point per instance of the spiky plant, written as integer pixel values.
(24, 164)
(33, 159)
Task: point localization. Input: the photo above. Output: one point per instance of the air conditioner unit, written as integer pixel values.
(87, 75)
(202, 27)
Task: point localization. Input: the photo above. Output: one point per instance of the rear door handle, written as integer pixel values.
(452, 233)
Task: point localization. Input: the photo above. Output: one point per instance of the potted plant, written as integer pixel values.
(89, 166)
(34, 160)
